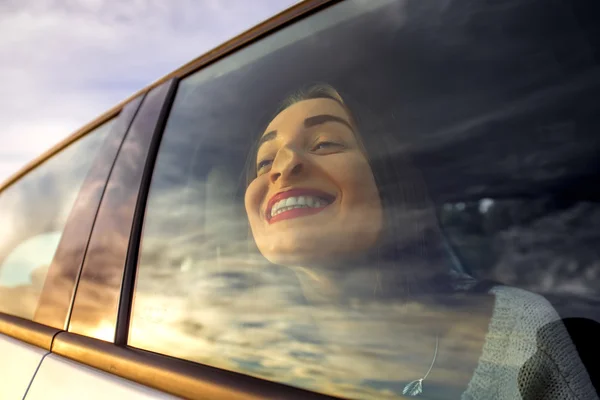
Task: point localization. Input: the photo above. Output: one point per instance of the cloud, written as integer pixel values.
(65, 62)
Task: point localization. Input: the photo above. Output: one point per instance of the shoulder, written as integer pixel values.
(517, 318)
(510, 341)
(521, 311)
(524, 303)
(537, 345)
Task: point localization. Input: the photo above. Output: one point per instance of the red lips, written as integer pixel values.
(298, 211)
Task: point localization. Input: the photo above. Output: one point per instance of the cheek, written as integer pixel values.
(253, 199)
(357, 185)
(361, 203)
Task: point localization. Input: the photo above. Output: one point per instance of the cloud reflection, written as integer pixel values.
(34, 211)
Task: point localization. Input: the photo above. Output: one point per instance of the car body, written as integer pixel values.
(526, 140)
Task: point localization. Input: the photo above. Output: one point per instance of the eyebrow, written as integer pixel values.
(308, 123)
(265, 138)
(324, 118)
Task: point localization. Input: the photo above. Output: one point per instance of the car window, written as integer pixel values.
(39, 250)
(33, 213)
(384, 199)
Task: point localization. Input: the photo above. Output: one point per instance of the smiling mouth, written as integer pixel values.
(297, 203)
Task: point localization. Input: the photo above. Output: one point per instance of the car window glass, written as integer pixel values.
(385, 199)
(33, 211)
(36, 251)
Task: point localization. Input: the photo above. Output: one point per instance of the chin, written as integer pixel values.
(300, 251)
(288, 259)
(297, 257)
(301, 257)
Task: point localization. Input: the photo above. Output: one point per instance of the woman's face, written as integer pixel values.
(314, 200)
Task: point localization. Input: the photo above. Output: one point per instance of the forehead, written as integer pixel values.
(295, 115)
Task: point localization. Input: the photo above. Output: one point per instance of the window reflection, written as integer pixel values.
(36, 251)
(33, 211)
(409, 252)
(95, 308)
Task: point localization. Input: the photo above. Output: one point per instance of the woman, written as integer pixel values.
(352, 218)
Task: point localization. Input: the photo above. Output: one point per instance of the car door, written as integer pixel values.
(19, 363)
(472, 150)
(92, 352)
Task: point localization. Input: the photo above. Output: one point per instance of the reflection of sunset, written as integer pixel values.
(210, 316)
(34, 211)
(105, 331)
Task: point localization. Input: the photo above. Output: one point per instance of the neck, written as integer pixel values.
(364, 280)
(339, 284)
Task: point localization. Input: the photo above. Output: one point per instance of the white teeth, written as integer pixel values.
(296, 202)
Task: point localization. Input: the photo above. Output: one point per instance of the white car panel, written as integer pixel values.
(61, 379)
(18, 362)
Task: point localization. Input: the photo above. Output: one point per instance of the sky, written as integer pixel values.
(65, 62)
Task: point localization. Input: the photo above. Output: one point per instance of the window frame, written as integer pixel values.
(70, 254)
(122, 194)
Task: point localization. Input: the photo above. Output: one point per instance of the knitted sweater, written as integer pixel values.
(528, 353)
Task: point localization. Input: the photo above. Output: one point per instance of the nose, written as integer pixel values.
(287, 164)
